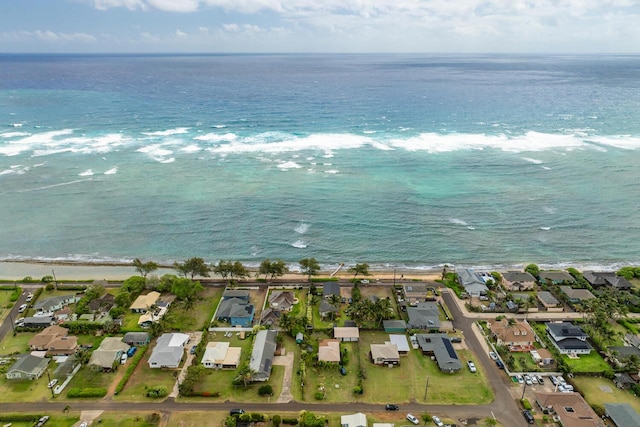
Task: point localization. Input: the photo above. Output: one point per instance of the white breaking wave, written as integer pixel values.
(54, 185)
(216, 137)
(112, 171)
(14, 134)
(301, 228)
(168, 132)
(191, 149)
(550, 210)
(300, 244)
(219, 126)
(289, 165)
(332, 171)
(88, 172)
(545, 228)
(534, 161)
(458, 221)
(156, 152)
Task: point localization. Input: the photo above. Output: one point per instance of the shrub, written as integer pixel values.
(256, 418)
(19, 417)
(28, 279)
(87, 392)
(290, 421)
(47, 279)
(276, 420)
(15, 295)
(132, 366)
(526, 404)
(358, 390)
(265, 390)
(230, 421)
(49, 287)
(319, 395)
(155, 391)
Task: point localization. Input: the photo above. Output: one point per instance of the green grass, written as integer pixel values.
(117, 419)
(587, 363)
(144, 376)
(24, 390)
(590, 387)
(55, 420)
(5, 303)
(16, 344)
(199, 315)
(130, 322)
(328, 378)
(89, 377)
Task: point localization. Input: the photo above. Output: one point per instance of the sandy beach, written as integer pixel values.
(72, 271)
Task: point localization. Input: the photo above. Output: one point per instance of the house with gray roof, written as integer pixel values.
(568, 338)
(622, 414)
(136, 338)
(236, 293)
(606, 278)
(556, 277)
(109, 351)
(472, 282)
(633, 339)
(576, 296)
(518, 281)
(38, 322)
(52, 304)
(414, 292)
(424, 316)
(282, 300)
(326, 308)
(547, 299)
(168, 351)
(264, 349)
(237, 311)
(439, 346)
(330, 288)
(27, 367)
(394, 325)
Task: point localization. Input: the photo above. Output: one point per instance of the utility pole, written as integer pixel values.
(49, 383)
(394, 277)
(55, 281)
(426, 389)
(523, 390)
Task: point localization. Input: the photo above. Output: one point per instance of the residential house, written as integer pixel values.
(330, 288)
(547, 300)
(622, 414)
(394, 326)
(353, 420)
(607, 278)
(414, 292)
(326, 308)
(512, 333)
(63, 315)
(576, 296)
(37, 322)
(264, 349)
(153, 315)
(633, 339)
(235, 308)
(329, 351)
(556, 277)
(385, 354)
(55, 340)
(108, 353)
(136, 338)
(52, 304)
(518, 281)
(346, 333)
(219, 355)
(569, 408)
(622, 353)
(439, 346)
(472, 282)
(401, 343)
(143, 303)
(622, 380)
(426, 315)
(270, 317)
(282, 300)
(542, 356)
(168, 351)
(568, 338)
(102, 304)
(27, 367)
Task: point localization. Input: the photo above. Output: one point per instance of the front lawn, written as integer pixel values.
(586, 363)
(599, 390)
(18, 343)
(89, 377)
(143, 376)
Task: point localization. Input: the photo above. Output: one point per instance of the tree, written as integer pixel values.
(309, 266)
(426, 418)
(362, 269)
(134, 285)
(186, 290)
(265, 268)
(276, 420)
(239, 271)
(278, 269)
(144, 268)
(490, 422)
(192, 267)
(245, 375)
(532, 269)
(94, 291)
(223, 268)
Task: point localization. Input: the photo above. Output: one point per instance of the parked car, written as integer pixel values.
(437, 421)
(364, 281)
(519, 379)
(413, 419)
(84, 424)
(19, 320)
(343, 371)
(236, 412)
(123, 358)
(493, 355)
(554, 380)
(472, 366)
(540, 379)
(42, 421)
(52, 383)
(29, 297)
(528, 380)
(391, 407)
(456, 339)
(528, 416)
(193, 349)
(500, 364)
(22, 308)
(131, 351)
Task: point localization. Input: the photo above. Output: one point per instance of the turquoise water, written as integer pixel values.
(392, 160)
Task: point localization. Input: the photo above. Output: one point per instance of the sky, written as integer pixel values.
(335, 26)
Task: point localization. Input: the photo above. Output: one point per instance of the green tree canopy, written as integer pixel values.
(361, 269)
(192, 267)
(532, 269)
(144, 268)
(309, 266)
(134, 285)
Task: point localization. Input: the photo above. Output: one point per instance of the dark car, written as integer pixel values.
(236, 412)
(131, 351)
(500, 364)
(343, 371)
(193, 349)
(528, 416)
(391, 407)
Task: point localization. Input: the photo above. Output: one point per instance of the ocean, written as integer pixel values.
(407, 161)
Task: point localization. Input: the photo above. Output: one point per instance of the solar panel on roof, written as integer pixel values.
(449, 347)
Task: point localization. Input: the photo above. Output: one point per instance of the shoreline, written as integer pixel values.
(70, 270)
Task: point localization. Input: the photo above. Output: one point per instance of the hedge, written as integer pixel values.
(291, 421)
(87, 392)
(132, 367)
(19, 417)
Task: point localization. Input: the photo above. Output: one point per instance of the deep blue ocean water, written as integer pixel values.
(393, 160)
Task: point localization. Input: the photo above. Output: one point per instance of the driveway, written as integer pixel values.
(194, 339)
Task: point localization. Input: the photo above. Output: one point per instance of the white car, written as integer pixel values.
(364, 281)
(437, 421)
(413, 419)
(472, 366)
(528, 380)
(123, 358)
(29, 297)
(520, 379)
(22, 308)
(19, 320)
(52, 383)
(493, 355)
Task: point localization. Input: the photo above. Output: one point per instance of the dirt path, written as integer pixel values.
(286, 361)
(194, 339)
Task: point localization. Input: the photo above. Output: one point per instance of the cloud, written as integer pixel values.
(180, 34)
(48, 36)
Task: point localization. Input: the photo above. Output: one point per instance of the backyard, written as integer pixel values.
(599, 390)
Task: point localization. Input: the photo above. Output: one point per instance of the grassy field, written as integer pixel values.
(55, 420)
(24, 390)
(16, 344)
(89, 377)
(133, 419)
(592, 362)
(599, 390)
(336, 387)
(5, 303)
(144, 376)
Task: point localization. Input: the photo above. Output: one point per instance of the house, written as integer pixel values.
(38, 322)
(346, 333)
(282, 300)
(384, 354)
(219, 355)
(568, 338)
(547, 299)
(439, 346)
(108, 353)
(632, 339)
(556, 277)
(270, 317)
(326, 308)
(168, 351)
(472, 282)
(236, 309)
(27, 367)
(570, 409)
(243, 294)
(542, 356)
(622, 353)
(576, 296)
(329, 351)
(102, 304)
(518, 281)
(394, 325)
(136, 338)
(63, 314)
(264, 349)
(153, 315)
(414, 292)
(330, 288)
(515, 334)
(143, 303)
(354, 420)
(426, 315)
(52, 304)
(622, 380)
(55, 341)
(607, 278)
(401, 343)
(622, 414)
(299, 338)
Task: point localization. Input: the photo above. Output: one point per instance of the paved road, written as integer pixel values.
(7, 325)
